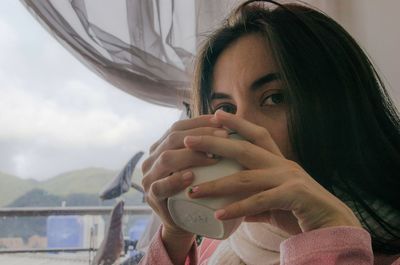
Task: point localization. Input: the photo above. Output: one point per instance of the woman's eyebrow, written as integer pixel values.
(258, 83)
(219, 96)
(265, 79)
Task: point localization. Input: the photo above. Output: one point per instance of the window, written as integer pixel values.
(65, 134)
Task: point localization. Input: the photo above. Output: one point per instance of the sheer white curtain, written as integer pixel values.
(144, 47)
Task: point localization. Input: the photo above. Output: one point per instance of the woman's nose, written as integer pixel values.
(247, 112)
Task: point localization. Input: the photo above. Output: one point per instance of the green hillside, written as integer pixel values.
(12, 187)
(85, 181)
(90, 180)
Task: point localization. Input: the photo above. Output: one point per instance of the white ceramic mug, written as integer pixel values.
(197, 215)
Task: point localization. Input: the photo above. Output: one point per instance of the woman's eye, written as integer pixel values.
(273, 99)
(226, 107)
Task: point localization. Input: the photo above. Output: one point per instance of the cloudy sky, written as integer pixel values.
(56, 115)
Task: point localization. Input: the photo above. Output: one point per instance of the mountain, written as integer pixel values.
(85, 181)
(75, 188)
(89, 180)
(12, 187)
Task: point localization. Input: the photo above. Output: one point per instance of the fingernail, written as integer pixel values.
(221, 133)
(193, 189)
(187, 176)
(192, 139)
(220, 112)
(219, 213)
(213, 156)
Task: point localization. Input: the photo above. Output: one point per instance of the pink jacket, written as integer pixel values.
(328, 246)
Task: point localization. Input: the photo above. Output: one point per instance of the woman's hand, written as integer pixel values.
(165, 170)
(277, 189)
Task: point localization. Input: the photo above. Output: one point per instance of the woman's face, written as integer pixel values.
(246, 81)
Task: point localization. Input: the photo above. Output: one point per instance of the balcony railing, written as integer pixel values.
(50, 211)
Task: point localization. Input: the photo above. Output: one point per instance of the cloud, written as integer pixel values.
(77, 126)
(86, 120)
(7, 30)
(55, 114)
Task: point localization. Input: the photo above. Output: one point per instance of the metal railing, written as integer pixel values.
(46, 250)
(84, 210)
(52, 211)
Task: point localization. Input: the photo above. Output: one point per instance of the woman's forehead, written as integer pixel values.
(242, 62)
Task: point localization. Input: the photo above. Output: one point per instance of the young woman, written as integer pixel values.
(321, 156)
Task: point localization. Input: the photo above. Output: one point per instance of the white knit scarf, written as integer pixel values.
(251, 244)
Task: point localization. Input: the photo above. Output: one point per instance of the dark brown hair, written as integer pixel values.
(343, 126)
